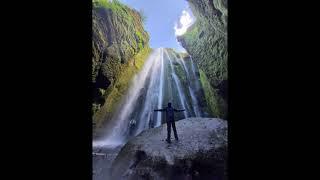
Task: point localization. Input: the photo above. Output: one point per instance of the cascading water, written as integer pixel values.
(160, 100)
(177, 82)
(152, 88)
(192, 79)
(193, 67)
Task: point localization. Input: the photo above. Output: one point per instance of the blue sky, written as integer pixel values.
(162, 17)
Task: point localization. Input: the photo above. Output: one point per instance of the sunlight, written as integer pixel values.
(185, 21)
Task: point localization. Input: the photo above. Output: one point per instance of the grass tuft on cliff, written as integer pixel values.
(214, 101)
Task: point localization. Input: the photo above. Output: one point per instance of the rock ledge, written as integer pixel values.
(200, 153)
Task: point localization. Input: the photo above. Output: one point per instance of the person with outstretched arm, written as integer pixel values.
(170, 120)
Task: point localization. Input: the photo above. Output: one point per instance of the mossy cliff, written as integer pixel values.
(120, 46)
(206, 42)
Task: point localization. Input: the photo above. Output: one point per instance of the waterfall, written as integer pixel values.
(152, 88)
(192, 79)
(117, 133)
(160, 97)
(192, 65)
(177, 82)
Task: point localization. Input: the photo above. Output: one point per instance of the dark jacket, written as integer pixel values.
(169, 113)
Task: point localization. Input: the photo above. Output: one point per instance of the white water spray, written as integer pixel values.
(178, 85)
(160, 99)
(191, 79)
(149, 90)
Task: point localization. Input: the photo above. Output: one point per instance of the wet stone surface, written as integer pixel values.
(201, 152)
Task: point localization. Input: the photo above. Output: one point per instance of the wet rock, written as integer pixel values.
(206, 41)
(118, 36)
(201, 152)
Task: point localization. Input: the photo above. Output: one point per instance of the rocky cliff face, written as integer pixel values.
(120, 46)
(201, 152)
(206, 42)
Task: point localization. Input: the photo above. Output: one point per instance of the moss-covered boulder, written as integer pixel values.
(119, 48)
(206, 42)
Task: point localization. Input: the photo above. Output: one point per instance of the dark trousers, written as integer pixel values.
(169, 124)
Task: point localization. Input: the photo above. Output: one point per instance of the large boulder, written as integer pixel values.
(200, 153)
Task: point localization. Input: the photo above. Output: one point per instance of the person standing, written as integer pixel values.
(170, 120)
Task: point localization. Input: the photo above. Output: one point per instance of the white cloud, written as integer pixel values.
(185, 21)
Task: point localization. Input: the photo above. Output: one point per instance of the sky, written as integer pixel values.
(165, 19)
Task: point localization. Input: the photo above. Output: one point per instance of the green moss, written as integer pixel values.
(114, 4)
(206, 42)
(117, 7)
(139, 35)
(214, 101)
(181, 73)
(140, 39)
(121, 85)
(192, 33)
(119, 52)
(141, 57)
(112, 69)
